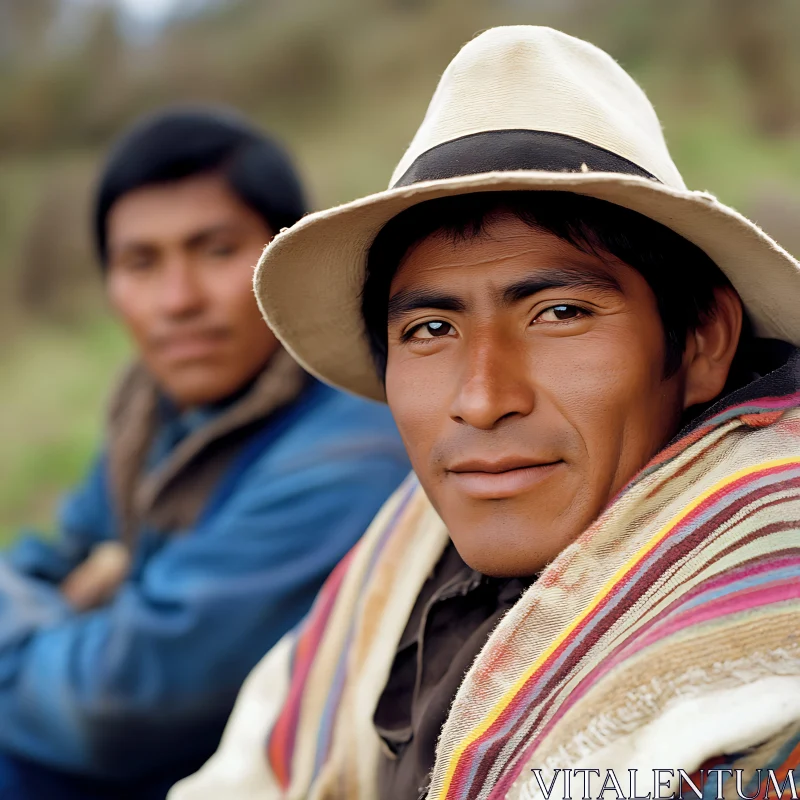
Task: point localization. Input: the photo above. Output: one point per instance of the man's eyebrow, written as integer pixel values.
(194, 239)
(204, 234)
(558, 279)
(129, 249)
(411, 300)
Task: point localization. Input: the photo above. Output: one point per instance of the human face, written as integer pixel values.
(180, 276)
(527, 381)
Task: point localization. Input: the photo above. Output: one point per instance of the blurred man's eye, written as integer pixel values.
(222, 249)
(139, 262)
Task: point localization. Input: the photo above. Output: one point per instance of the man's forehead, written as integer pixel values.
(174, 211)
(504, 253)
(461, 296)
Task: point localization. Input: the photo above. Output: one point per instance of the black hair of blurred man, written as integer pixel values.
(180, 143)
(184, 206)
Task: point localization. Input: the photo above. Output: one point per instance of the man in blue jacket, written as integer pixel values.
(229, 485)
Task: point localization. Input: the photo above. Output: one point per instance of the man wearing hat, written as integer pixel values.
(596, 566)
(230, 484)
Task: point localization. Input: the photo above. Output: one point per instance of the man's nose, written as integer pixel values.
(180, 291)
(496, 384)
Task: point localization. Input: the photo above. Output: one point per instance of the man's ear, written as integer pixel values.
(711, 347)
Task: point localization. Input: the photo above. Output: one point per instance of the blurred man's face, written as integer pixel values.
(180, 272)
(527, 381)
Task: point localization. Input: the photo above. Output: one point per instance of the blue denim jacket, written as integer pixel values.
(144, 685)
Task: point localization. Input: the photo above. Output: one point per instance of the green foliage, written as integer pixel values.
(54, 387)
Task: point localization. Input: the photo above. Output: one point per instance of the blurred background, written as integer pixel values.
(343, 83)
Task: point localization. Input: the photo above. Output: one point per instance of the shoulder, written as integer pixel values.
(333, 430)
(348, 407)
(335, 416)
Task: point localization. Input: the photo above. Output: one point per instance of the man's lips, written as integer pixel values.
(502, 478)
(187, 347)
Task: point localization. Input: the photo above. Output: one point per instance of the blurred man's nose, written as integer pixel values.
(495, 384)
(180, 290)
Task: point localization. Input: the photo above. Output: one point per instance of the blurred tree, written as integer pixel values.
(26, 25)
(761, 39)
(60, 279)
(101, 66)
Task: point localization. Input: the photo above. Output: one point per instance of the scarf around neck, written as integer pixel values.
(686, 587)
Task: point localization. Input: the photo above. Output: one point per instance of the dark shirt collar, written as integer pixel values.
(173, 425)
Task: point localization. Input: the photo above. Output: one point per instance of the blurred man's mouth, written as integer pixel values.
(502, 478)
(195, 346)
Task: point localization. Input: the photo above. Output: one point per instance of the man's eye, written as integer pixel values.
(561, 313)
(222, 250)
(431, 330)
(141, 264)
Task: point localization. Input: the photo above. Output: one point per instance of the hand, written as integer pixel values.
(95, 582)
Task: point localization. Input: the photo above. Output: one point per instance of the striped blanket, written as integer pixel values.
(667, 635)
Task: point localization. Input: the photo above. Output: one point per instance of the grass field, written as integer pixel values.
(55, 382)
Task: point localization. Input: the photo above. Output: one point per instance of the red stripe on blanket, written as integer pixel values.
(280, 744)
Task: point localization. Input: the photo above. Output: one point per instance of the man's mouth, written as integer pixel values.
(191, 346)
(502, 478)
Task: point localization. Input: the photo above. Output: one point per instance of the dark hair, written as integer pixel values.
(681, 275)
(181, 143)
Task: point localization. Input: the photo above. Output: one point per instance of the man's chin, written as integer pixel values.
(511, 542)
(197, 384)
(496, 565)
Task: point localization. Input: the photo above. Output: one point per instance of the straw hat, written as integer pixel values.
(519, 108)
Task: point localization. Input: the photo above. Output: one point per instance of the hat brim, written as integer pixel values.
(308, 281)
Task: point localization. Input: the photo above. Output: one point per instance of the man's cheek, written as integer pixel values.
(413, 433)
(413, 423)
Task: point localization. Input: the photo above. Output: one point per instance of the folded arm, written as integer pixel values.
(151, 677)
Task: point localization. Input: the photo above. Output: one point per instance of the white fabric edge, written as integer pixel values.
(691, 730)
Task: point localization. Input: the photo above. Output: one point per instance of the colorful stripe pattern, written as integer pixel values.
(283, 736)
(280, 745)
(745, 587)
(753, 413)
